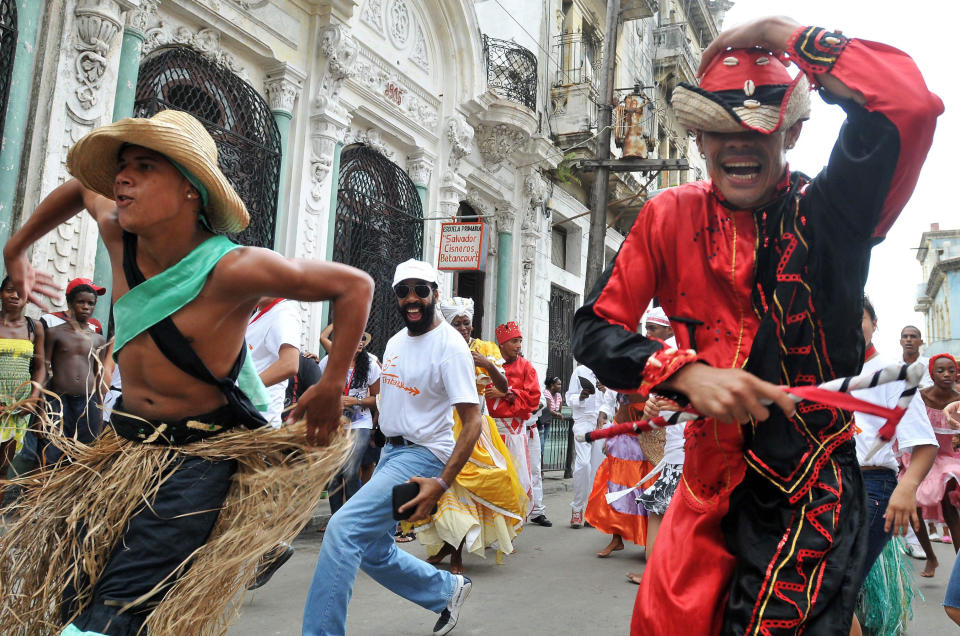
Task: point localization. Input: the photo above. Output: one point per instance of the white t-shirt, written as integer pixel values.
(913, 430)
(608, 403)
(673, 447)
(265, 335)
(359, 417)
(584, 412)
(926, 381)
(422, 378)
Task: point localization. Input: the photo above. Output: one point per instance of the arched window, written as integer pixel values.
(8, 48)
(235, 115)
(379, 225)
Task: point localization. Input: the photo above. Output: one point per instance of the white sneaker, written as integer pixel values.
(914, 551)
(450, 614)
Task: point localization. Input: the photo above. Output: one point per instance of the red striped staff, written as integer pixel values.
(834, 393)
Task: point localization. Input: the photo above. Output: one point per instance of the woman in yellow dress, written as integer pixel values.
(486, 505)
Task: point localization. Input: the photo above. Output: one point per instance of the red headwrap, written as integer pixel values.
(508, 331)
(933, 359)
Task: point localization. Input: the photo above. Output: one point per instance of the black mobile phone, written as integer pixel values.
(402, 493)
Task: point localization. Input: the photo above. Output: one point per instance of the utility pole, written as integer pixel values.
(598, 194)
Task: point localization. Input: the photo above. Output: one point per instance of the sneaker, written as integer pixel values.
(541, 520)
(914, 551)
(269, 564)
(450, 614)
(576, 520)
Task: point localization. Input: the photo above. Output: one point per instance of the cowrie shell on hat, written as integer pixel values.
(762, 60)
(749, 87)
(751, 103)
(731, 61)
(832, 41)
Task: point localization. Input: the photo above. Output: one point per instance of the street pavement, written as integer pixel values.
(554, 584)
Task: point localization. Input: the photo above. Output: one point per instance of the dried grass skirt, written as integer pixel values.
(69, 520)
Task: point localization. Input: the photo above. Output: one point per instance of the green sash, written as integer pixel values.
(166, 293)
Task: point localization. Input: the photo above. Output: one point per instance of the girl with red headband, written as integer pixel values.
(939, 494)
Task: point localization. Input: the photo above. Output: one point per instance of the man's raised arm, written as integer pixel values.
(61, 205)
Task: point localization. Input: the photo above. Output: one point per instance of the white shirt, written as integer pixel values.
(422, 378)
(926, 381)
(608, 403)
(359, 417)
(585, 411)
(532, 420)
(673, 447)
(913, 430)
(266, 333)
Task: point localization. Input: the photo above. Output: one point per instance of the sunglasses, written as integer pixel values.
(422, 290)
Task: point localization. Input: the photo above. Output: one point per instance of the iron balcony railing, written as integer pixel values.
(579, 56)
(511, 71)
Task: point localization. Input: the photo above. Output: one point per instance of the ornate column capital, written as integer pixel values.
(505, 215)
(140, 17)
(283, 85)
(420, 168)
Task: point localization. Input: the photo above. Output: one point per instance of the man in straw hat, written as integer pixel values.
(161, 522)
(765, 268)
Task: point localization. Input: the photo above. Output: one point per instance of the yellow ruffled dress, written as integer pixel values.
(486, 504)
(15, 357)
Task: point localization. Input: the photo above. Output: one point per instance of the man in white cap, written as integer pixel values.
(657, 325)
(427, 369)
(156, 503)
(765, 268)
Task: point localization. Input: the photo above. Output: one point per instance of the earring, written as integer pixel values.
(703, 156)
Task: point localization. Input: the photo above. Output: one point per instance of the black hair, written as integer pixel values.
(79, 289)
(550, 381)
(361, 369)
(868, 307)
(919, 333)
(6, 279)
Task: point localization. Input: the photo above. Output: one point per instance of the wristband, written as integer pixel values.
(442, 483)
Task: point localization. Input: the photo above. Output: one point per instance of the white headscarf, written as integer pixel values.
(456, 306)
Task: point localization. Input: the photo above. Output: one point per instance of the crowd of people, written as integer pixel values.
(758, 511)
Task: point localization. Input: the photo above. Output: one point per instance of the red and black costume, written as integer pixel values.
(764, 533)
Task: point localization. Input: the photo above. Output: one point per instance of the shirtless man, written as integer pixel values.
(70, 350)
(182, 301)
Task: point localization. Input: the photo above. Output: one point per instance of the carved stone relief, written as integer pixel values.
(204, 41)
(420, 170)
(371, 137)
(98, 22)
(497, 142)
(282, 86)
(460, 136)
(372, 15)
(399, 23)
(420, 57)
(397, 91)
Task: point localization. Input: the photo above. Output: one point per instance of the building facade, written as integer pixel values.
(939, 256)
(353, 129)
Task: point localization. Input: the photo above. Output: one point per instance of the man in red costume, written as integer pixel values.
(522, 398)
(766, 268)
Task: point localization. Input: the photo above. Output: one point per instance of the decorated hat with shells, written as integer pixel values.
(743, 89)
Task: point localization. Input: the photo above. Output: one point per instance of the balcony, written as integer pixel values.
(675, 53)
(511, 71)
(575, 92)
(579, 56)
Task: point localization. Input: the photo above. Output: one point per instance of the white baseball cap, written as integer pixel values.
(657, 316)
(413, 268)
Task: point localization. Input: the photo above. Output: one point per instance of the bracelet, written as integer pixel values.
(444, 484)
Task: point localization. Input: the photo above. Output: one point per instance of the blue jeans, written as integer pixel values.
(952, 596)
(878, 485)
(347, 482)
(360, 536)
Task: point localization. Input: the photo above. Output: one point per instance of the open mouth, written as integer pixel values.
(122, 200)
(413, 312)
(746, 172)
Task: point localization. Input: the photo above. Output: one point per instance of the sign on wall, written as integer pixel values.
(462, 246)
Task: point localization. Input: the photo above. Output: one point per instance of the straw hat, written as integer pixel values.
(743, 89)
(176, 135)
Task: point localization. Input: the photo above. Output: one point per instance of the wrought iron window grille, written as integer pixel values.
(379, 224)
(235, 115)
(8, 49)
(511, 71)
